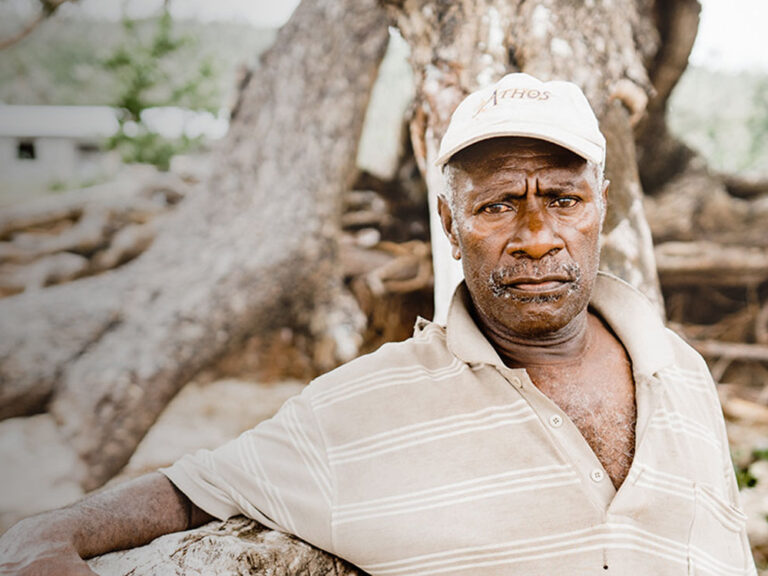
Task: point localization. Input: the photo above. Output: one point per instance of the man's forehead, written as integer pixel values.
(512, 158)
(510, 148)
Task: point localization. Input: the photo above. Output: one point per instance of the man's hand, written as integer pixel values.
(32, 548)
(129, 515)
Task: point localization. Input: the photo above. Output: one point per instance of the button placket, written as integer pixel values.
(566, 437)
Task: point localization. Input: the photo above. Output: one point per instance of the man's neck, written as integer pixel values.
(568, 345)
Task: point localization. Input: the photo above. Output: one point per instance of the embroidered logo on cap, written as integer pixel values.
(497, 96)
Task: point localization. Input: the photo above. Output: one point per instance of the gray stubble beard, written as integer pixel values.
(497, 282)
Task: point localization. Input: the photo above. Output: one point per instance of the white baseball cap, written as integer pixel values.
(521, 105)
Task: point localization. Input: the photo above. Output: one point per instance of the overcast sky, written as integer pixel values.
(731, 33)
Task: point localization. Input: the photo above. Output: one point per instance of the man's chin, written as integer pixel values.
(540, 314)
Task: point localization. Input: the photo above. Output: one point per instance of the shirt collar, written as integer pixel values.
(630, 315)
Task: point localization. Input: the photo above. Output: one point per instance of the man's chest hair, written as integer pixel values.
(599, 398)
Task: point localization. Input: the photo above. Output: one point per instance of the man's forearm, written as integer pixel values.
(129, 515)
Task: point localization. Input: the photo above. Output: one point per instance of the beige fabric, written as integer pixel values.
(521, 105)
(432, 457)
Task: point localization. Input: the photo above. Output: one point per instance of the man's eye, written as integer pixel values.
(565, 202)
(496, 208)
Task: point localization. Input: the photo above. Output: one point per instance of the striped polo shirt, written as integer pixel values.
(430, 456)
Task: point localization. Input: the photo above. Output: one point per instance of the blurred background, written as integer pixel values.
(180, 251)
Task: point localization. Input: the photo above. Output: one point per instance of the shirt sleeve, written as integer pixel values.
(276, 473)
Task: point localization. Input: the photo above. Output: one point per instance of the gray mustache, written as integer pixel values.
(505, 275)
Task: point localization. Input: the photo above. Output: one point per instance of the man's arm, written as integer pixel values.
(126, 516)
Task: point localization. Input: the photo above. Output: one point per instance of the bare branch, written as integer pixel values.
(47, 9)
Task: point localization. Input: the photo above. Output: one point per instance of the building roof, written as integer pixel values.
(98, 122)
(57, 121)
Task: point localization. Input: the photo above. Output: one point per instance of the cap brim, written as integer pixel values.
(580, 146)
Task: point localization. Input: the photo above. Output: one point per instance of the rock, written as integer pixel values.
(238, 546)
(39, 470)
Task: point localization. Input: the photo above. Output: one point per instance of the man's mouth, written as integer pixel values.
(532, 284)
(543, 285)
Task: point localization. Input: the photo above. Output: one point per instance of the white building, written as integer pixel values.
(45, 145)
(41, 145)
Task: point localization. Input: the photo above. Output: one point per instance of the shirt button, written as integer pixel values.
(555, 421)
(597, 475)
(516, 382)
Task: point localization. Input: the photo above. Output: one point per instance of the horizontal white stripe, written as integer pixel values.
(608, 536)
(686, 421)
(475, 493)
(664, 482)
(675, 422)
(431, 431)
(524, 472)
(385, 379)
(538, 557)
(688, 379)
(706, 561)
(516, 408)
(661, 475)
(383, 374)
(466, 429)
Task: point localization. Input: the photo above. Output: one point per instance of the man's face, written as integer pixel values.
(525, 217)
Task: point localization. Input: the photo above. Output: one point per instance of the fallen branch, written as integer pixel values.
(87, 235)
(745, 186)
(731, 350)
(51, 269)
(692, 263)
(136, 196)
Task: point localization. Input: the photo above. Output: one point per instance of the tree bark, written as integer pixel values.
(256, 250)
(459, 46)
(238, 546)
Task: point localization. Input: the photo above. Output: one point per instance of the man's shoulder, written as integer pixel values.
(425, 352)
(687, 360)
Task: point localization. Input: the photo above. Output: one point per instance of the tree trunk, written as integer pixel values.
(457, 47)
(256, 250)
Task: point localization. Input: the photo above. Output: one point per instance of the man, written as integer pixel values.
(553, 426)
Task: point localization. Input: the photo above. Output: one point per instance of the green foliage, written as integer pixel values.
(146, 79)
(62, 62)
(744, 476)
(724, 116)
(758, 125)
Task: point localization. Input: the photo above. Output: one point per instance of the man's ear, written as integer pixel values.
(604, 194)
(446, 217)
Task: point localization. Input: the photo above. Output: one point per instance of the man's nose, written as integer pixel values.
(534, 236)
